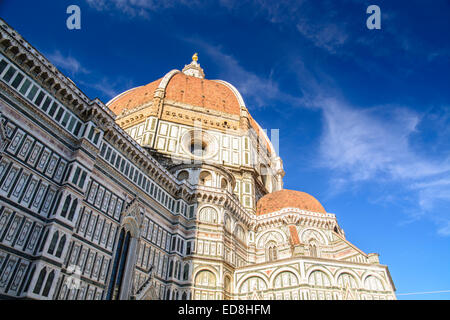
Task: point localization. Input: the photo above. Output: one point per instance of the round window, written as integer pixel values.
(198, 148)
(199, 144)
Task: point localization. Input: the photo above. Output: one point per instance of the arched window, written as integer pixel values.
(184, 296)
(183, 175)
(285, 279)
(174, 243)
(61, 245)
(313, 251)
(66, 206)
(253, 284)
(227, 284)
(224, 184)
(48, 284)
(205, 179)
(208, 214)
(205, 278)
(319, 278)
(347, 280)
(264, 175)
(52, 246)
(170, 268)
(227, 222)
(188, 247)
(373, 283)
(264, 179)
(177, 265)
(115, 284)
(40, 281)
(44, 239)
(271, 253)
(240, 233)
(73, 208)
(30, 277)
(179, 271)
(186, 272)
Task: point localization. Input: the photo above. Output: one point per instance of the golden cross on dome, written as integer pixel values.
(195, 57)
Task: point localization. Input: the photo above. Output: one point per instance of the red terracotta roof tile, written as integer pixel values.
(202, 93)
(281, 199)
(135, 97)
(186, 89)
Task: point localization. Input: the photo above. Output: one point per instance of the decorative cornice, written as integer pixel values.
(46, 73)
(297, 216)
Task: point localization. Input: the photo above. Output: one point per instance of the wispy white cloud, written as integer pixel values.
(374, 146)
(371, 142)
(444, 230)
(108, 88)
(439, 54)
(67, 63)
(327, 36)
(82, 75)
(138, 8)
(318, 22)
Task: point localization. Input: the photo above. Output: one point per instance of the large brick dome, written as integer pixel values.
(281, 199)
(189, 87)
(208, 94)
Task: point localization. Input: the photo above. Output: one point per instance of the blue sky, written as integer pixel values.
(364, 115)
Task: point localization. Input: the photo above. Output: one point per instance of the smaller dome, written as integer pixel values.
(281, 199)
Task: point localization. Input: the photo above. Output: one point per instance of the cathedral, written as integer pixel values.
(169, 191)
